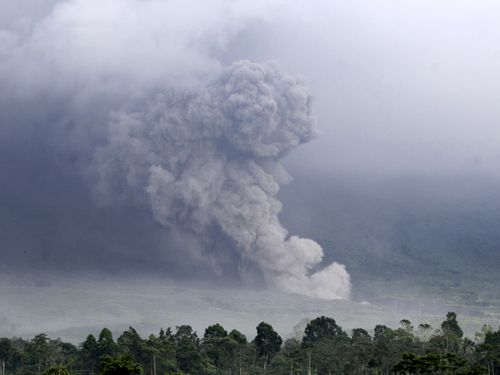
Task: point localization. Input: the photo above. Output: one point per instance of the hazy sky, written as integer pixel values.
(399, 88)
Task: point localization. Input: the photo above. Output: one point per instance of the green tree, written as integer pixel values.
(450, 326)
(106, 344)
(327, 346)
(37, 354)
(384, 355)
(237, 348)
(163, 351)
(215, 331)
(435, 363)
(131, 342)
(448, 340)
(57, 370)
(89, 354)
(267, 342)
(216, 345)
(187, 350)
(361, 350)
(9, 355)
(121, 365)
(290, 360)
(406, 325)
(489, 351)
(61, 353)
(475, 370)
(321, 328)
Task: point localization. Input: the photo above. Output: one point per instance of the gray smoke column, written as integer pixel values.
(208, 157)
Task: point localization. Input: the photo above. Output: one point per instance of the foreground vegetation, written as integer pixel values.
(323, 348)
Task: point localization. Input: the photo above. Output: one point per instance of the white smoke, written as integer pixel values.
(209, 156)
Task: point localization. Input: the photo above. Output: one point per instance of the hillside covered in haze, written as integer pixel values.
(424, 235)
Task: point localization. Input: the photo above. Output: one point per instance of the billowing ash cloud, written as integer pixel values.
(133, 102)
(207, 159)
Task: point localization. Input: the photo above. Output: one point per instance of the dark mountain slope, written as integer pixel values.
(427, 234)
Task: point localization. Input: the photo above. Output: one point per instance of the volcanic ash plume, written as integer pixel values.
(208, 158)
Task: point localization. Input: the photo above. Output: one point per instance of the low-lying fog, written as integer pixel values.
(72, 309)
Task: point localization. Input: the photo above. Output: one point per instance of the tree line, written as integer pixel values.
(322, 348)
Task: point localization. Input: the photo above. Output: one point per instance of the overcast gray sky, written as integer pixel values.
(399, 88)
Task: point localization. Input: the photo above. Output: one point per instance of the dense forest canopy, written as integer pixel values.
(322, 348)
